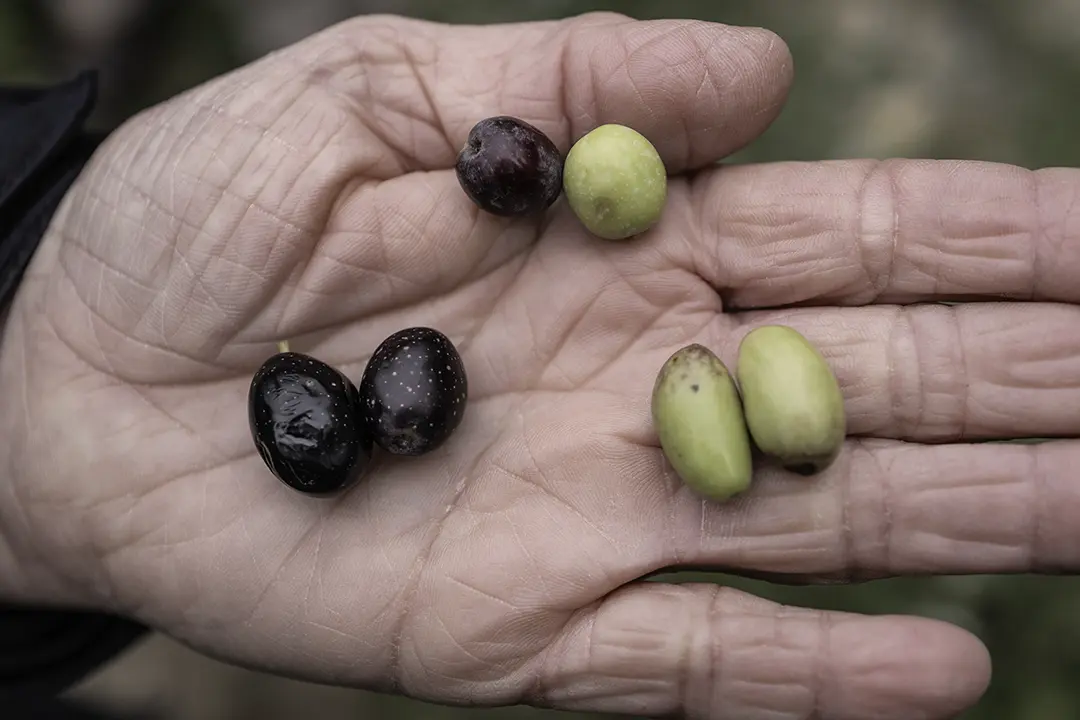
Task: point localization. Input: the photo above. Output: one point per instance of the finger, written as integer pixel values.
(901, 231)
(888, 508)
(263, 187)
(702, 651)
(698, 90)
(935, 373)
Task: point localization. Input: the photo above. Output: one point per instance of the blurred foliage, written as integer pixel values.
(980, 79)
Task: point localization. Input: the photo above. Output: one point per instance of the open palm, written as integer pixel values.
(309, 197)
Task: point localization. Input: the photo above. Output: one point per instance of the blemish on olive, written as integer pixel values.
(306, 422)
(414, 391)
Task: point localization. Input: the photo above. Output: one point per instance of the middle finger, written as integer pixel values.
(899, 231)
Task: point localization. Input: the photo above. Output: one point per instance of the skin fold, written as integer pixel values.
(310, 196)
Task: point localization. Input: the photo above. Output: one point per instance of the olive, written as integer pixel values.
(413, 391)
(508, 167)
(793, 402)
(615, 182)
(699, 421)
(306, 422)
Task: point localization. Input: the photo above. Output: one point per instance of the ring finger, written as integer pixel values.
(888, 508)
(936, 373)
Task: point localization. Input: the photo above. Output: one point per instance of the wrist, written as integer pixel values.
(43, 148)
(44, 646)
(31, 573)
(23, 578)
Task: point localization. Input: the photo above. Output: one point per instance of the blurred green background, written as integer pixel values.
(981, 79)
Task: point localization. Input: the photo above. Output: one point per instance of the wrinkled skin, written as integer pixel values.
(311, 196)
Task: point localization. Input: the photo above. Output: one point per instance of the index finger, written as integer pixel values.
(698, 90)
(898, 231)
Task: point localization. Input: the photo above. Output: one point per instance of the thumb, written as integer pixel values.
(705, 651)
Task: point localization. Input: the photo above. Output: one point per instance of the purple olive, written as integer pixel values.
(510, 168)
(414, 391)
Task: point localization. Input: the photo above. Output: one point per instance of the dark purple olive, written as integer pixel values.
(306, 423)
(510, 168)
(413, 391)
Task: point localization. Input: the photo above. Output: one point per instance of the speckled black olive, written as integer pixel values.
(510, 168)
(414, 391)
(306, 423)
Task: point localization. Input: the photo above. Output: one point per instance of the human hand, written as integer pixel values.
(310, 197)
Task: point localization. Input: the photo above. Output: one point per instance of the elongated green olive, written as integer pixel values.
(615, 182)
(791, 399)
(698, 417)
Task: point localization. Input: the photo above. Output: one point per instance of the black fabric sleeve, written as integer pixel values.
(43, 147)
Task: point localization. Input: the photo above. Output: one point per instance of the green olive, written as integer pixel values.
(791, 399)
(615, 182)
(698, 417)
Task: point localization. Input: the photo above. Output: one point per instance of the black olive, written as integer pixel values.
(306, 423)
(413, 391)
(508, 167)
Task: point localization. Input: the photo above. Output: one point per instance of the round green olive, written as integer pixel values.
(615, 182)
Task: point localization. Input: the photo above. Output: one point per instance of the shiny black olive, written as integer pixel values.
(414, 391)
(306, 423)
(509, 167)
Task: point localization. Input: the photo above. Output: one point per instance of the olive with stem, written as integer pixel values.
(306, 423)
